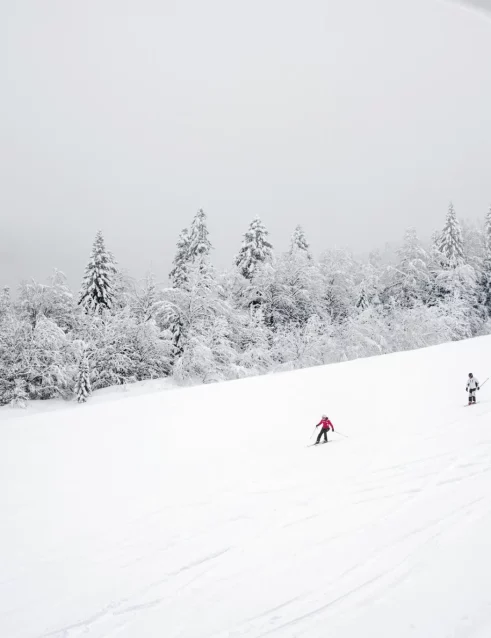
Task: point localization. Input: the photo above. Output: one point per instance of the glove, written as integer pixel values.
(478, 388)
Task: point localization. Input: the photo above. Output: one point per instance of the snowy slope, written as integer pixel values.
(197, 513)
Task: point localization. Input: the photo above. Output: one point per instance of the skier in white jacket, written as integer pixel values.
(471, 387)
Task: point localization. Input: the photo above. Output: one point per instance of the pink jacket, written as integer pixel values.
(326, 424)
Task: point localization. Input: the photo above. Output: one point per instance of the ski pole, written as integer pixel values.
(345, 435)
(313, 432)
(483, 383)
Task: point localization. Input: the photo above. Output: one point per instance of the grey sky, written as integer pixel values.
(354, 118)
(482, 5)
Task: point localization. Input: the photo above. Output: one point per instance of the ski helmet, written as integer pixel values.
(324, 416)
(471, 375)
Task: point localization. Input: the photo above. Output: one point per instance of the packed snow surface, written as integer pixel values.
(201, 512)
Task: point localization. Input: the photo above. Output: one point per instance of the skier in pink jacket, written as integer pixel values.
(326, 426)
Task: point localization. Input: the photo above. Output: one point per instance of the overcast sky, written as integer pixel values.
(482, 5)
(355, 118)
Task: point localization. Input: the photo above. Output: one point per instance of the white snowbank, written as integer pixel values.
(200, 512)
(115, 392)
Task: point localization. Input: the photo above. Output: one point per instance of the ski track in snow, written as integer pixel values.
(201, 513)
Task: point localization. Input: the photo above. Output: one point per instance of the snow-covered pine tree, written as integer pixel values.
(412, 277)
(486, 267)
(122, 290)
(369, 286)
(487, 234)
(474, 244)
(364, 335)
(266, 292)
(5, 303)
(193, 320)
(435, 242)
(303, 346)
(53, 301)
(255, 250)
(252, 342)
(146, 303)
(456, 283)
(122, 350)
(363, 300)
(82, 383)
(180, 266)
(19, 394)
(199, 244)
(47, 360)
(291, 290)
(62, 305)
(340, 273)
(33, 301)
(299, 242)
(97, 292)
(450, 243)
(193, 246)
(15, 334)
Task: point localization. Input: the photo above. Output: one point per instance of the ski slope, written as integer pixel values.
(202, 513)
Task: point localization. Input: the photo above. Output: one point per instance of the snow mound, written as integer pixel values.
(202, 513)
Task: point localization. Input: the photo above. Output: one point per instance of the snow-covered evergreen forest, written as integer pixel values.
(269, 311)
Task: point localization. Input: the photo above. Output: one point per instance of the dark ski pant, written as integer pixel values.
(322, 432)
(472, 396)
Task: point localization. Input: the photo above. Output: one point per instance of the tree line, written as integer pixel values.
(267, 312)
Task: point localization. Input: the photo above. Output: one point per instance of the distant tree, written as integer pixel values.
(486, 267)
(82, 384)
(53, 301)
(46, 360)
(180, 266)
(365, 334)
(5, 302)
(15, 336)
(450, 244)
(266, 293)
(252, 341)
(473, 235)
(33, 301)
(146, 303)
(487, 233)
(123, 287)
(199, 244)
(301, 346)
(97, 291)
(412, 277)
(288, 291)
(193, 247)
(256, 249)
(61, 304)
(198, 304)
(341, 274)
(19, 395)
(363, 299)
(369, 285)
(122, 350)
(299, 242)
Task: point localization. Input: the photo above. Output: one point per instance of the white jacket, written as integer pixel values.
(472, 384)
